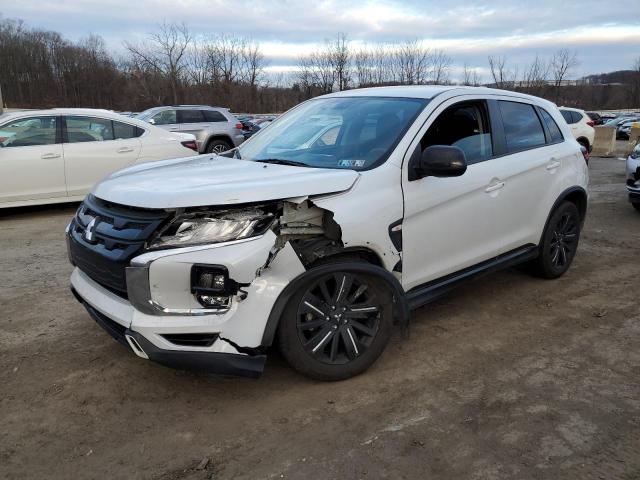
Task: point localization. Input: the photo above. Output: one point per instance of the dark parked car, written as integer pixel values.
(596, 117)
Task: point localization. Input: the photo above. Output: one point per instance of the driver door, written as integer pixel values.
(449, 223)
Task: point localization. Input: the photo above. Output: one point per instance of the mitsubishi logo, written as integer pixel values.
(90, 230)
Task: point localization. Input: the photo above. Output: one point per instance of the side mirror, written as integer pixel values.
(437, 161)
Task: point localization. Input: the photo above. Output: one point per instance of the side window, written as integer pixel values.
(166, 117)
(552, 126)
(576, 116)
(27, 132)
(329, 137)
(88, 129)
(123, 130)
(522, 127)
(190, 116)
(567, 116)
(213, 116)
(466, 126)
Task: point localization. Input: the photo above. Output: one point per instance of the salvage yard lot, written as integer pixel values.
(507, 377)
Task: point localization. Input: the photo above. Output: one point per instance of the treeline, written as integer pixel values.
(172, 65)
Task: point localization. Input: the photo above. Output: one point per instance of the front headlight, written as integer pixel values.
(636, 152)
(206, 227)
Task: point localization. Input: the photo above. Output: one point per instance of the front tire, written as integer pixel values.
(636, 206)
(559, 242)
(336, 326)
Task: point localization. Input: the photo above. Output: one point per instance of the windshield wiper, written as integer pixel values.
(279, 161)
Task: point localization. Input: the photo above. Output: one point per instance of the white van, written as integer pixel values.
(326, 247)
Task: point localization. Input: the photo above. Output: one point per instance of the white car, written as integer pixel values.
(581, 126)
(633, 177)
(52, 156)
(326, 248)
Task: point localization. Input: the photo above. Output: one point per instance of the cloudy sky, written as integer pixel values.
(605, 34)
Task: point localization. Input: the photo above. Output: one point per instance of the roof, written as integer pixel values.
(428, 92)
(110, 114)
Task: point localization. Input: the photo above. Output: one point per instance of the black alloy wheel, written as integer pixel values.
(338, 318)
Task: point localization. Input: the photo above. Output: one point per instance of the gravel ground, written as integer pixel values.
(508, 377)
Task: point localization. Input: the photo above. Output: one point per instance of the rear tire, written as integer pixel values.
(559, 242)
(336, 326)
(636, 206)
(218, 146)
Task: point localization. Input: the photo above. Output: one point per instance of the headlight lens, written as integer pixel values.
(636, 152)
(199, 228)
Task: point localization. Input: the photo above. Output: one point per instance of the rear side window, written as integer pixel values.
(88, 129)
(213, 116)
(552, 126)
(123, 130)
(522, 127)
(27, 132)
(190, 116)
(567, 116)
(576, 116)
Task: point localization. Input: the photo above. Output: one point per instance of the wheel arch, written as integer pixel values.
(585, 140)
(576, 195)
(217, 136)
(400, 304)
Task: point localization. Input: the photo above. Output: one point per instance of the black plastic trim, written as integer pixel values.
(423, 294)
(401, 307)
(396, 236)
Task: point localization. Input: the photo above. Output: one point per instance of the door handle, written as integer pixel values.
(553, 164)
(124, 150)
(494, 186)
(173, 129)
(48, 156)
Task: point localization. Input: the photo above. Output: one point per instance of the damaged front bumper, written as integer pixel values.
(162, 321)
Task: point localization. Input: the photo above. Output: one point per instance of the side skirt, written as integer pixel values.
(427, 292)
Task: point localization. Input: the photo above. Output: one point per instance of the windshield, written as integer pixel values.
(356, 133)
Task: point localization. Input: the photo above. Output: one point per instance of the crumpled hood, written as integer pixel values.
(212, 180)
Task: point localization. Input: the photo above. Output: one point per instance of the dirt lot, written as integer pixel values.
(508, 377)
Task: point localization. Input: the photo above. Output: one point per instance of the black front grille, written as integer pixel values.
(118, 233)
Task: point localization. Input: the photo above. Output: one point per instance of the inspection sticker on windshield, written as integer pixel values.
(351, 163)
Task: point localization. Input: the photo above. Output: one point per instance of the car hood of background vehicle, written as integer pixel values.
(206, 180)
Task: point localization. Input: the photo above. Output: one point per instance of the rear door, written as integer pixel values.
(527, 169)
(194, 122)
(31, 159)
(94, 147)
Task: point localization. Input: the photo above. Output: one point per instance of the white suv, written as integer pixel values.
(581, 126)
(326, 246)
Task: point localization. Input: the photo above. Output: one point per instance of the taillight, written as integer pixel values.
(190, 144)
(239, 126)
(591, 123)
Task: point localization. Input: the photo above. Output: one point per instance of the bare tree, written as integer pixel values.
(441, 64)
(470, 76)
(339, 58)
(502, 76)
(561, 63)
(536, 76)
(164, 51)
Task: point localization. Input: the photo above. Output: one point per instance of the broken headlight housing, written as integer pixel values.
(636, 152)
(203, 227)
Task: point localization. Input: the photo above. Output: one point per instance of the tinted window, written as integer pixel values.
(567, 116)
(124, 130)
(190, 116)
(552, 126)
(576, 116)
(213, 116)
(522, 127)
(166, 117)
(88, 129)
(27, 132)
(465, 126)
